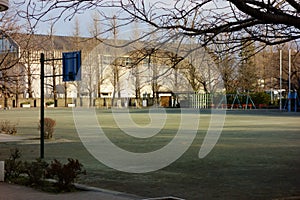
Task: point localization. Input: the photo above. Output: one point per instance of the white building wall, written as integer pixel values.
(97, 65)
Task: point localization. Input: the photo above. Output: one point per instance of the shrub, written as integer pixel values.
(25, 103)
(261, 98)
(49, 103)
(65, 174)
(36, 171)
(13, 166)
(7, 127)
(49, 125)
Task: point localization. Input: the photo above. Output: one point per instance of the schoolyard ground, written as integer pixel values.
(256, 157)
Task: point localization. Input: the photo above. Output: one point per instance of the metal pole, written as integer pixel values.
(289, 94)
(296, 98)
(42, 122)
(280, 82)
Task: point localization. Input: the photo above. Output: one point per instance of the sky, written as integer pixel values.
(62, 27)
(66, 27)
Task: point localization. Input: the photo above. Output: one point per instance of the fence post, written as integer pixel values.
(1, 171)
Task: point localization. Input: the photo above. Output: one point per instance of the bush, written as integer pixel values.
(13, 166)
(65, 174)
(49, 103)
(49, 125)
(261, 98)
(25, 103)
(7, 127)
(36, 171)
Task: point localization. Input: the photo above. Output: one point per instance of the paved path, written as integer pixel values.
(17, 192)
(10, 138)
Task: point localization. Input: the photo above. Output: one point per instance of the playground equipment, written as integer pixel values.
(240, 101)
(292, 102)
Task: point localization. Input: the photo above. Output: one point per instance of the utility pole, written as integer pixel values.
(290, 94)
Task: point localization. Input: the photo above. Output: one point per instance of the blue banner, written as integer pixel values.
(72, 66)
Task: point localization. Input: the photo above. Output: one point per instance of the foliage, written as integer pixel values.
(65, 174)
(25, 103)
(247, 72)
(49, 125)
(7, 127)
(13, 166)
(49, 103)
(36, 171)
(261, 98)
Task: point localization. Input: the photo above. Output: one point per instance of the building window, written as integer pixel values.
(7, 45)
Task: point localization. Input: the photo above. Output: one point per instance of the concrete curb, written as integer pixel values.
(105, 191)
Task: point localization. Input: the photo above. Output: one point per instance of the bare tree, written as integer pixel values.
(227, 69)
(95, 32)
(9, 49)
(17, 81)
(135, 66)
(199, 70)
(11, 73)
(247, 74)
(77, 47)
(30, 69)
(264, 68)
(295, 70)
(115, 64)
(270, 22)
(89, 76)
(54, 64)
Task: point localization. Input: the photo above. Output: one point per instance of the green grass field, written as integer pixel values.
(256, 157)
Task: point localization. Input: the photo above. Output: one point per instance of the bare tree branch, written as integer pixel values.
(269, 22)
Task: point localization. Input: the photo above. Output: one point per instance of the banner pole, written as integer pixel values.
(42, 122)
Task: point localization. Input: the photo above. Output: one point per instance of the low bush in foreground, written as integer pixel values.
(13, 166)
(35, 173)
(65, 174)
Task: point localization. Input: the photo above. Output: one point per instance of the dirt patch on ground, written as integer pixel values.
(10, 138)
(30, 140)
(49, 141)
